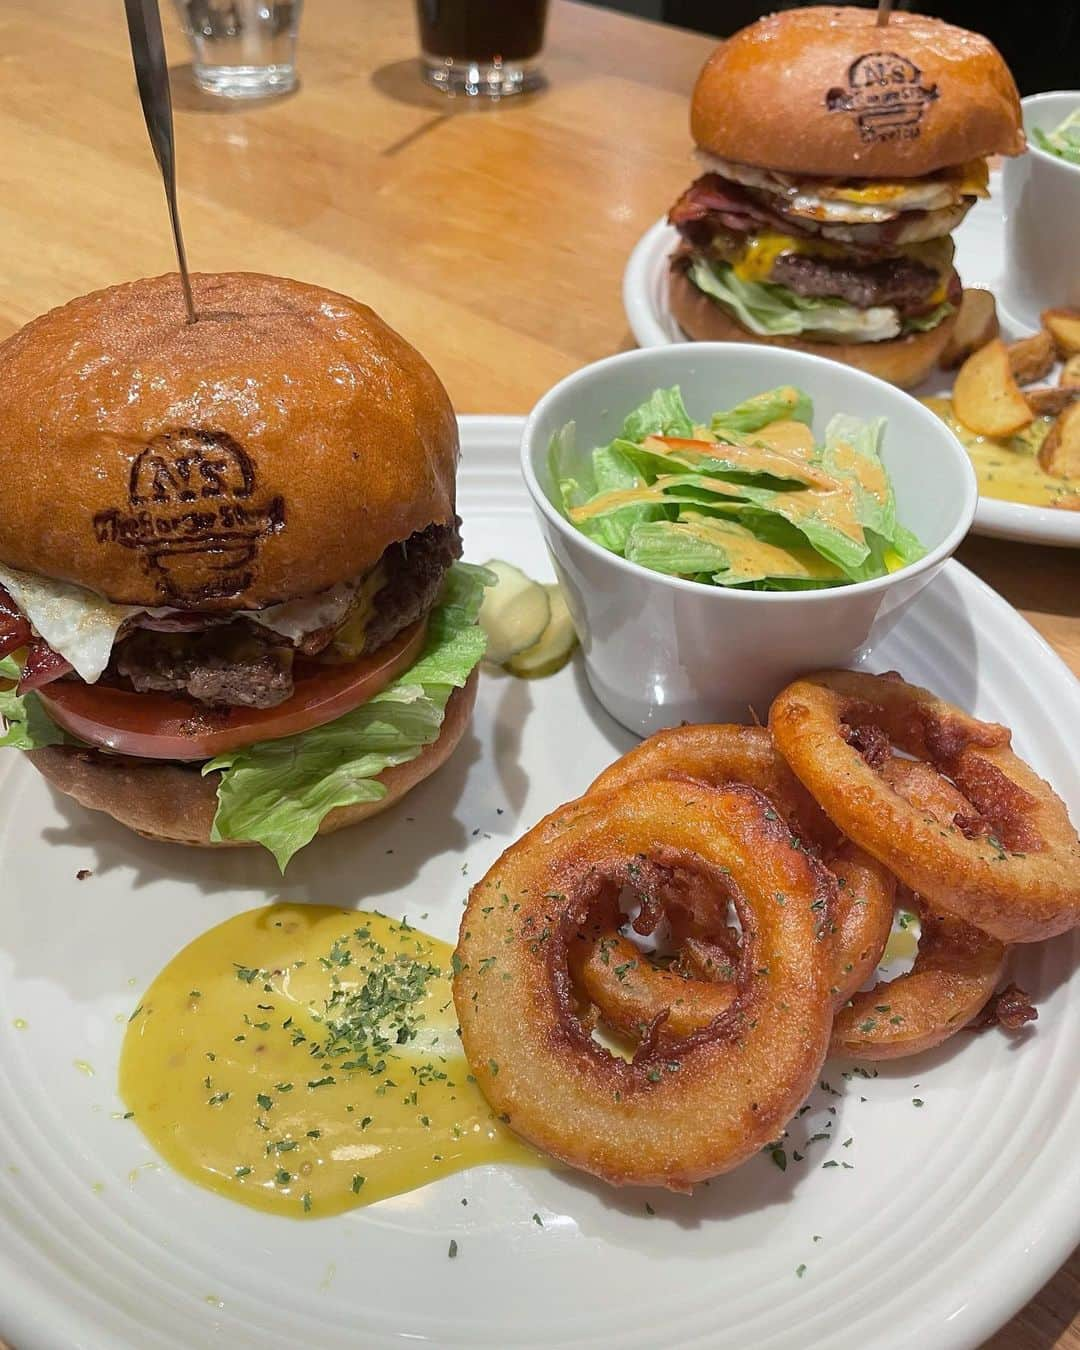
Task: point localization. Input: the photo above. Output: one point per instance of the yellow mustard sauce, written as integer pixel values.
(304, 1060)
(1008, 469)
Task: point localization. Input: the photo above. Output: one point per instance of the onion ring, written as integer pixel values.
(627, 988)
(724, 753)
(690, 1108)
(1011, 869)
(954, 976)
(956, 968)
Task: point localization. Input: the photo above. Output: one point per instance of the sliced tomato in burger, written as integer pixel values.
(172, 726)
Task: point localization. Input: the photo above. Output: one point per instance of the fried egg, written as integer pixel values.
(858, 201)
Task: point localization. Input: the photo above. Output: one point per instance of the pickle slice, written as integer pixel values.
(554, 646)
(515, 612)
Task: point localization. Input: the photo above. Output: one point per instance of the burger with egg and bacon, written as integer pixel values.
(839, 158)
(231, 607)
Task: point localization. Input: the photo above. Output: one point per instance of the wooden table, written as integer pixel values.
(494, 239)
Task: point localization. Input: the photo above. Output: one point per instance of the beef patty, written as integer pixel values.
(901, 282)
(241, 664)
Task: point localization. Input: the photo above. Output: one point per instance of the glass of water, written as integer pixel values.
(242, 48)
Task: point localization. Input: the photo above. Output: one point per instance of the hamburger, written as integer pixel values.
(839, 157)
(231, 606)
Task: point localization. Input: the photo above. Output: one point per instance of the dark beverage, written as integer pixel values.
(483, 31)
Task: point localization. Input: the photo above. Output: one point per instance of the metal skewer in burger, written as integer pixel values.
(840, 156)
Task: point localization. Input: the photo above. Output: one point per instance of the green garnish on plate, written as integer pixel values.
(750, 500)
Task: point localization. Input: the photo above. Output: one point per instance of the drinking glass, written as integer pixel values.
(482, 48)
(242, 48)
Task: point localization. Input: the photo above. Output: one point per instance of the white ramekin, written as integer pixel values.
(1041, 199)
(659, 650)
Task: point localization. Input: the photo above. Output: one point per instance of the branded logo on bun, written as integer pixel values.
(190, 496)
(886, 94)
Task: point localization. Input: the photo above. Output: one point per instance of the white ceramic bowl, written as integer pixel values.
(660, 650)
(1041, 195)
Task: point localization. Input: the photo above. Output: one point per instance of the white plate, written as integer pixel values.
(951, 1217)
(980, 245)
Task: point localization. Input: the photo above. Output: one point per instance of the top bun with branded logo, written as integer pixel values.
(838, 158)
(219, 542)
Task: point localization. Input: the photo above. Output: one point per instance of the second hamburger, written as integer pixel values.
(840, 157)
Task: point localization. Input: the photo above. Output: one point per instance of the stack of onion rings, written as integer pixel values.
(808, 836)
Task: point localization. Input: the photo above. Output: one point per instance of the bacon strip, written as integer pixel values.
(713, 200)
(14, 630)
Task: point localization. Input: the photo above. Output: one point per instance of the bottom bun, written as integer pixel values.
(175, 803)
(904, 361)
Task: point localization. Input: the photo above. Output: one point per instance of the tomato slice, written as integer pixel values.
(683, 443)
(172, 726)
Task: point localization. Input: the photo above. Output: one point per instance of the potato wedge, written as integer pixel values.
(976, 324)
(1060, 453)
(1064, 324)
(986, 398)
(1032, 358)
(1070, 373)
(1050, 399)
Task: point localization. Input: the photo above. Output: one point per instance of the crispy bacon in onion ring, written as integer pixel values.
(688, 1108)
(1011, 867)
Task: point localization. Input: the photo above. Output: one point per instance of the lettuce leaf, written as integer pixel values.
(278, 792)
(852, 452)
(579, 475)
(27, 725)
(730, 552)
(1063, 140)
(754, 413)
(662, 414)
(922, 323)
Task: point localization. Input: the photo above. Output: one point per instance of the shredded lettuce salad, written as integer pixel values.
(276, 793)
(751, 500)
(1064, 140)
(772, 310)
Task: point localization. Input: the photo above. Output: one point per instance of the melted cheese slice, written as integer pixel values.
(762, 251)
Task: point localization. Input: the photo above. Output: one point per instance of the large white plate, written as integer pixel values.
(980, 245)
(950, 1217)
